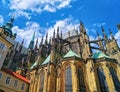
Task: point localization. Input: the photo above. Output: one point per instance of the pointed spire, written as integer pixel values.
(82, 29)
(58, 32)
(111, 34)
(36, 44)
(41, 41)
(46, 38)
(33, 37)
(104, 34)
(31, 45)
(54, 34)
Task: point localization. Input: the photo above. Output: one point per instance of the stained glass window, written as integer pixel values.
(68, 79)
(115, 78)
(81, 80)
(41, 82)
(102, 80)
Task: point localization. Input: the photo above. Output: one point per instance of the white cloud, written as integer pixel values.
(21, 13)
(65, 25)
(27, 32)
(117, 36)
(31, 27)
(37, 6)
(99, 24)
(4, 2)
(1, 19)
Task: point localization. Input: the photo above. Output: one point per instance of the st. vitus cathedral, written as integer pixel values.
(67, 62)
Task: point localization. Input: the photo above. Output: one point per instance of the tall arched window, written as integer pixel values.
(41, 82)
(68, 79)
(115, 78)
(81, 80)
(102, 80)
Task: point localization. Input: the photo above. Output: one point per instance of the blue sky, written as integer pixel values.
(43, 16)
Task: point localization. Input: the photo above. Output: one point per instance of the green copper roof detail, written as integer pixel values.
(33, 65)
(71, 54)
(33, 37)
(46, 60)
(99, 55)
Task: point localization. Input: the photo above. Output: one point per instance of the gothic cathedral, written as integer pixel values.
(68, 62)
(73, 65)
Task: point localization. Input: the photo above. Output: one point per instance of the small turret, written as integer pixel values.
(104, 34)
(8, 29)
(9, 25)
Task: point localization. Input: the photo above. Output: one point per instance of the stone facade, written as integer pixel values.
(71, 66)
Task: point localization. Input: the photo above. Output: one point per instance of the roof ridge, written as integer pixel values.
(71, 54)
